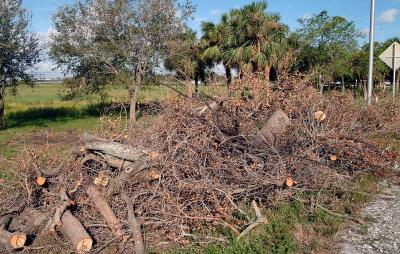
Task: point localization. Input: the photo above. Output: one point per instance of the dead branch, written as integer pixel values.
(134, 225)
(260, 219)
(113, 148)
(105, 210)
(65, 203)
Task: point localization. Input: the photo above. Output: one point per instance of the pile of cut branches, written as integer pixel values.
(204, 164)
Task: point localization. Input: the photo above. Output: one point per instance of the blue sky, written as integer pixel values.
(387, 13)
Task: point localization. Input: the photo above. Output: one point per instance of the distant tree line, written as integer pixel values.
(102, 43)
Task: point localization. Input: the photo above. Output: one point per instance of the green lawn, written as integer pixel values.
(39, 108)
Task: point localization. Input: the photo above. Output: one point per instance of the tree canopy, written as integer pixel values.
(19, 48)
(110, 37)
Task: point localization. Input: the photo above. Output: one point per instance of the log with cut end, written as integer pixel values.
(76, 233)
(11, 241)
(41, 180)
(106, 212)
(126, 174)
(115, 149)
(276, 125)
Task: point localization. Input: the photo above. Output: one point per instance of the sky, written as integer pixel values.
(387, 15)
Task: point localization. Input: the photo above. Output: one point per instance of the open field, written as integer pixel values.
(39, 109)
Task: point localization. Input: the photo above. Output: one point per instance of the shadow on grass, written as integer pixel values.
(42, 116)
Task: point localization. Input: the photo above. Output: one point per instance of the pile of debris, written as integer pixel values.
(196, 169)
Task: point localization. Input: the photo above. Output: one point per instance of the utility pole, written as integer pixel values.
(371, 52)
(394, 70)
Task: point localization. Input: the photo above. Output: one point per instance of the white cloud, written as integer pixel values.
(388, 16)
(215, 12)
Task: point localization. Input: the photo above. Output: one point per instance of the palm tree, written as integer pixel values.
(260, 38)
(187, 64)
(215, 43)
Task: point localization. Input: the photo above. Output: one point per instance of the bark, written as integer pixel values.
(76, 233)
(267, 72)
(115, 149)
(133, 93)
(343, 85)
(254, 67)
(125, 165)
(11, 241)
(276, 125)
(106, 212)
(125, 175)
(228, 73)
(135, 226)
(196, 84)
(189, 86)
(2, 122)
(321, 85)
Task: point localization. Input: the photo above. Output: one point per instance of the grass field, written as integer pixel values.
(39, 108)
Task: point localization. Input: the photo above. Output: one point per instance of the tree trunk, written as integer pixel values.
(254, 66)
(228, 74)
(343, 85)
(267, 72)
(189, 89)
(2, 93)
(196, 84)
(133, 94)
(133, 101)
(321, 86)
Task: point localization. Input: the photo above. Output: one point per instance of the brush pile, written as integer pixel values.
(204, 164)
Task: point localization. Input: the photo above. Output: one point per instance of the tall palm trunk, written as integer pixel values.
(196, 84)
(228, 73)
(254, 66)
(267, 72)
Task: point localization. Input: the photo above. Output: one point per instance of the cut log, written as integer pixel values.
(125, 175)
(11, 241)
(76, 233)
(106, 212)
(115, 149)
(276, 125)
(41, 180)
(125, 165)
